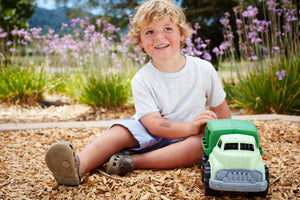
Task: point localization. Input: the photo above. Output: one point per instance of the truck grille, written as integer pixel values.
(239, 176)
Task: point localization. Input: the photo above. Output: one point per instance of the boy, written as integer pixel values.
(171, 94)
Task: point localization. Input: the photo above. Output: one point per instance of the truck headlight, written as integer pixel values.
(220, 175)
(257, 176)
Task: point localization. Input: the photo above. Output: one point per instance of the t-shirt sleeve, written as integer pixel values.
(143, 98)
(215, 94)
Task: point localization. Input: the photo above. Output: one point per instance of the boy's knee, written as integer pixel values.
(123, 135)
(195, 141)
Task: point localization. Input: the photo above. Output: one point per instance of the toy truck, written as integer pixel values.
(232, 159)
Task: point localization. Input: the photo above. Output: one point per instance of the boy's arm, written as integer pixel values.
(222, 111)
(164, 128)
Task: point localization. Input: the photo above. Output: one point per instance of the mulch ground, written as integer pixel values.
(24, 174)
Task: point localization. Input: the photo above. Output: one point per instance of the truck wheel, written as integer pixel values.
(204, 158)
(207, 189)
(204, 161)
(263, 193)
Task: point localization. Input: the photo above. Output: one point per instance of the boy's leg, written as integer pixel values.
(183, 153)
(68, 167)
(101, 149)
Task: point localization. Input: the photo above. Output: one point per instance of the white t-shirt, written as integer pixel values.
(178, 96)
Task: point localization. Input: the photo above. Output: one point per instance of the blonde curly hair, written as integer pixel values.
(153, 10)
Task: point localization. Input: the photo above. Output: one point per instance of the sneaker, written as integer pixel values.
(64, 164)
(120, 163)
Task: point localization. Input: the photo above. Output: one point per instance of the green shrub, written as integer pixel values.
(23, 85)
(106, 90)
(273, 90)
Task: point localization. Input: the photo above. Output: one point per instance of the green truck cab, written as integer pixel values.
(232, 158)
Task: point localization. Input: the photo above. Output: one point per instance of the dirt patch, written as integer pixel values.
(24, 175)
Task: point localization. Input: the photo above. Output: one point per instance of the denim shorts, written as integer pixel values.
(147, 141)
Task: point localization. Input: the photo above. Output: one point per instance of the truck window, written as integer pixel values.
(220, 143)
(247, 147)
(231, 146)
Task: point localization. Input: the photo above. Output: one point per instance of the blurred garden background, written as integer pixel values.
(80, 49)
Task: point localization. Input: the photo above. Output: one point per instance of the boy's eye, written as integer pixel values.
(168, 29)
(148, 32)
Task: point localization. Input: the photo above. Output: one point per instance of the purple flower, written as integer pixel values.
(98, 22)
(51, 31)
(253, 57)
(291, 15)
(287, 28)
(87, 20)
(14, 32)
(207, 56)
(256, 40)
(217, 51)
(23, 42)
(63, 25)
(3, 35)
(230, 35)
(197, 26)
(12, 50)
(9, 42)
(91, 28)
(280, 74)
(251, 12)
(277, 33)
(35, 32)
(237, 9)
(276, 49)
(224, 45)
(21, 32)
(238, 21)
(224, 22)
(252, 35)
(239, 32)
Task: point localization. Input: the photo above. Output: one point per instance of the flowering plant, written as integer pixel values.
(265, 59)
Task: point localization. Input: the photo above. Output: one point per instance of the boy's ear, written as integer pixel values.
(181, 37)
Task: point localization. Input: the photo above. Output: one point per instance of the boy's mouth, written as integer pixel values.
(162, 46)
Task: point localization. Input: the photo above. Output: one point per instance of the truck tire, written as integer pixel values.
(207, 189)
(263, 193)
(204, 161)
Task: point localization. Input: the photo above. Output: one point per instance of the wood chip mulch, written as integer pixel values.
(24, 174)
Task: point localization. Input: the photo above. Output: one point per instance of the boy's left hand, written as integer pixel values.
(200, 121)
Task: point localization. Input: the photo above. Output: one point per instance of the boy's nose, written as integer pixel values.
(159, 35)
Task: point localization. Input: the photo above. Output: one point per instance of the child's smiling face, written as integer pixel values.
(161, 39)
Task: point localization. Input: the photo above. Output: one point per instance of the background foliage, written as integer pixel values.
(91, 60)
(15, 13)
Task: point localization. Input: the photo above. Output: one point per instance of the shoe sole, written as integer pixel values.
(61, 160)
